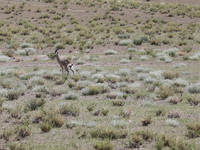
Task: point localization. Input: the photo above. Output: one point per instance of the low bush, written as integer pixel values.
(193, 130)
(69, 110)
(34, 104)
(95, 89)
(170, 75)
(136, 139)
(165, 91)
(108, 133)
(110, 52)
(103, 145)
(194, 88)
(146, 121)
(46, 126)
(125, 42)
(70, 96)
(193, 99)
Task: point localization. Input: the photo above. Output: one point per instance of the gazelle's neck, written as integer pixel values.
(58, 58)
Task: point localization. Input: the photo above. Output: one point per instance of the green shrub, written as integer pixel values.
(174, 114)
(34, 104)
(170, 75)
(108, 133)
(193, 130)
(105, 112)
(71, 96)
(22, 132)
(14, 94)
(193, 99)
(165, 91)
(16, 146)
(110, 52)
(137, 41)
(160, 112)
(57, 120)
(59, 46)
(136, 139)
(125, 42)
(95, 89)
(4, 58)
(194, 88)
(46, 126)
(112, 78)
(118, 103)
(69, 110)
(103, 145)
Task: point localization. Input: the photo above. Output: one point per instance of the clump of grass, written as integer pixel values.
(34, 104)
(146, 121)
(22, 132)
(120, 123)
(91, 107)
(99, 78)
(125, 42)
(173, 143)
(69, 110)
(14, 94)
(131, 88)
(124, 72)
(165, 91)
(124, 61)
(118, 103)
(193, 130)
(110, 52)
(70, 96)
(112, 78)
(80, 61)
(4, 58)
(35, 81)
(194, 88)
(136, 139)
(160, 112)
(104, 111)
(39, 88)
(175, 99)
(132, 49)
(180, 82)
(193, 99)
(141, 69)
(57, 120)
(103, 145)
(16, 146)
(95, 89)
(16, 112)
(108, 133)
(26, 45)
(172, 122)
(59, 46)
(170, 75)
(46, 126)
(142, 76)
(174, 114)
(85, 74)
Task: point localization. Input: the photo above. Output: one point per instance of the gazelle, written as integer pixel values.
(64, 64)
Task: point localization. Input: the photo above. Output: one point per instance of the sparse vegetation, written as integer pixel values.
(131, 89)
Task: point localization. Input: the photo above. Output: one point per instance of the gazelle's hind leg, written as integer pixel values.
(66, 69)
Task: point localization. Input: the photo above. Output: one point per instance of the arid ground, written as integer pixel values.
(136, 83)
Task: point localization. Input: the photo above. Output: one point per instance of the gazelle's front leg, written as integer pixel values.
(62, 70)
